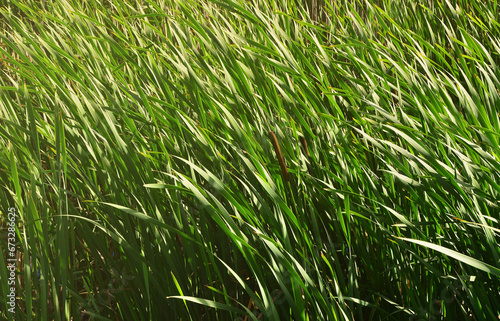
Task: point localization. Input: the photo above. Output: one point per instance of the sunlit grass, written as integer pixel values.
(137, 152)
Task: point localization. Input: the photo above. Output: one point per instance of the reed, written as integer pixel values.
(135, 149)
(279, 156)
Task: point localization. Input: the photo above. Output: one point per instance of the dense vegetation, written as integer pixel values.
(137, 148)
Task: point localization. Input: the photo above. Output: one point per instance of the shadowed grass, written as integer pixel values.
(138, 157)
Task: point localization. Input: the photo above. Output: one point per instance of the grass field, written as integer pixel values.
(250, 160)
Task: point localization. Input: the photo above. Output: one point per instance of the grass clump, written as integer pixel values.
(137, 152)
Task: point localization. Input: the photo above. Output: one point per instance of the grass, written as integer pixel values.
(141, 150)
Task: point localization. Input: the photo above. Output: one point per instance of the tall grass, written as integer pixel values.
(137, 152)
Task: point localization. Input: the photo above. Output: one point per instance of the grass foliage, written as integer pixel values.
(136, 149)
